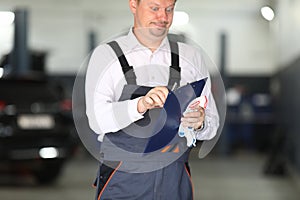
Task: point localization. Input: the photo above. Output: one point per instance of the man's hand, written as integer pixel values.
(194, 118)
(155, 98)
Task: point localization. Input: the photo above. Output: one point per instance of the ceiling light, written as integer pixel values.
(267, 13)
(180, 18)
(6, 18)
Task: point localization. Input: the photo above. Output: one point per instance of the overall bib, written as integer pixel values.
(126, 172)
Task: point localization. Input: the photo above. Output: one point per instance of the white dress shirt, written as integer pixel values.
(105, 81)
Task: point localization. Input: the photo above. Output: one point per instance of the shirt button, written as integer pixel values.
(151, 57)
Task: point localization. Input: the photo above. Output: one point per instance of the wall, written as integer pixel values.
(287, 85)
(61, 28)
(286, 31)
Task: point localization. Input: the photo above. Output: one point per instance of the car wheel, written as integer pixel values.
(48, 173)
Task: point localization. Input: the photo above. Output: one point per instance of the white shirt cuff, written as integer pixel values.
(132, 110)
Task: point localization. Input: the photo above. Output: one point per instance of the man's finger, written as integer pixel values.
(162, 90)
(190, 119)
(162, 96)
(165, 91)
(148, 100)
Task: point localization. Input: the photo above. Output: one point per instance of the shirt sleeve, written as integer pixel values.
(114, 116)
(211, 121)
(104, 84)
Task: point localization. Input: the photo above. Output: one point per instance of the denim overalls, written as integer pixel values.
(126, 172)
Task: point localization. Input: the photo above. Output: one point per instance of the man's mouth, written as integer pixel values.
(160, 25)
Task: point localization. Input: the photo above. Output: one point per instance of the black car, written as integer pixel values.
(37, 133)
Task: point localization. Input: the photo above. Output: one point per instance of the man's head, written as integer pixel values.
(154, 16)
(140, 0)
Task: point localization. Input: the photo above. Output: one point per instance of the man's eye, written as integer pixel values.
(169, 10)
(155, 8)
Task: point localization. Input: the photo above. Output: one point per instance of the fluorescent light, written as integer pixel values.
(1, 72)
(180, 18)
(48, 152)
(6, 18)
(267, 13)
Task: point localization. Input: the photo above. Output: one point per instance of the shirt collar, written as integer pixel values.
(133, 43)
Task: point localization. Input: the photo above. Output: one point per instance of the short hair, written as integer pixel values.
(138, 1)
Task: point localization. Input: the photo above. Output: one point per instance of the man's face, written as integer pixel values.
(154, 15)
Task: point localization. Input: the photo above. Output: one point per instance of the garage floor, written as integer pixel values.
(237, 177)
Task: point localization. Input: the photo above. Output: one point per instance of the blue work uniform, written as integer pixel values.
(126, 176)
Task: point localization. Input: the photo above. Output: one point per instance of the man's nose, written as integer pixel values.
(163, 15)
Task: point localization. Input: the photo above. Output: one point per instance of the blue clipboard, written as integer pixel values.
(169, 119)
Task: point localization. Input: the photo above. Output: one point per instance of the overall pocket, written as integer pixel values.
(106, 172)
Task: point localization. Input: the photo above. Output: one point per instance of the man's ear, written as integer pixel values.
(133, 5)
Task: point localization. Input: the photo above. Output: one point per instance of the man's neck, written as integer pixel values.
(151, 42)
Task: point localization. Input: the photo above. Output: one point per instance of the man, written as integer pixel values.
(127, 100)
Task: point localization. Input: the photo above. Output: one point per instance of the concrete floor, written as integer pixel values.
(237, 177)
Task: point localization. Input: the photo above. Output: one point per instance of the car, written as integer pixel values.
(37, 133)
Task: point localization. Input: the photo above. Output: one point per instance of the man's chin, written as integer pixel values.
(158, 32)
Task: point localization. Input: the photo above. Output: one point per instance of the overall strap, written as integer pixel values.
(174, 76)
(126, 68)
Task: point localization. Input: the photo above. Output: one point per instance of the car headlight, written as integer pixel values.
(48, 152)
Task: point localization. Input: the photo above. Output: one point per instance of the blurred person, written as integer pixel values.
(133, 84)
